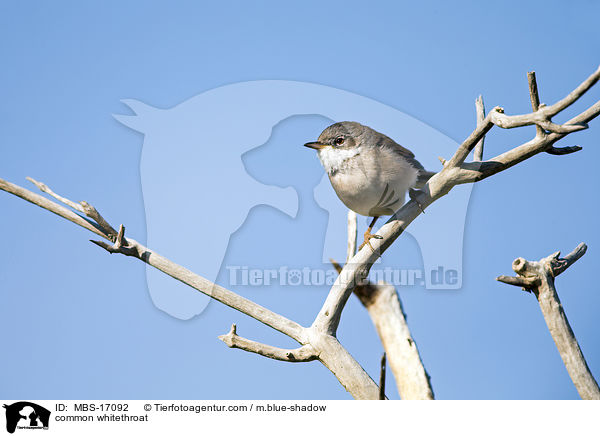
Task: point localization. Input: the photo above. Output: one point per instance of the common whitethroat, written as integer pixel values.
(369, 171)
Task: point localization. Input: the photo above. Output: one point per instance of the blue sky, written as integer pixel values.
(80, 323)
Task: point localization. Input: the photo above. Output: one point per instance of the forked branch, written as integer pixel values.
(456, 171)
(385, 310)
(538, 277)
(315, 344)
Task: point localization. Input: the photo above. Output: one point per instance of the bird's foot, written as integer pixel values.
(415, 195)
(367, 241)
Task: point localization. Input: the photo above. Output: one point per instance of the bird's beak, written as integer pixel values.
(316, 145)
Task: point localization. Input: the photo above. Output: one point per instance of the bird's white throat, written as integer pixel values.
(333, 158)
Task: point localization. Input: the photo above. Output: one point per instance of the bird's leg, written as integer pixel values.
(369, 236)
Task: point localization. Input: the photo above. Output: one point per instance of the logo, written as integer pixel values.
(26, 415)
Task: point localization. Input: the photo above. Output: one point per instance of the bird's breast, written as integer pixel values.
(374, 185)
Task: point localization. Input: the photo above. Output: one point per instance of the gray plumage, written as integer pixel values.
(369, 171)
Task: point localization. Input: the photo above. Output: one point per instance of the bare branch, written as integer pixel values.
(382, 378)
(540, 117)
(51, 206)
(560, 265)
(585, 117)
(44, 188)
(91, 212)
(120, 246)
(340, 362)
(352, 232)
(559, 151)
(385, 309)
(540, 277)
(82, 207)
(480, 113)
(465, 148)
(383, 304)
(306, 353)
(473, 172)
(121, 237)
(533, 91)
(561, 128)
(535, 97)
(527, 283)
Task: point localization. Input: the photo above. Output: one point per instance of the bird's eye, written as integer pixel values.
(339, 140)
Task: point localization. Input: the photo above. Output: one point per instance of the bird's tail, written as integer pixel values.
(423, 177)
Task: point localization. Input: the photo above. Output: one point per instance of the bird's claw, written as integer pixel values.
(367, 241)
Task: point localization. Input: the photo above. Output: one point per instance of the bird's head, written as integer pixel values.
(344, 135)
(338, 143)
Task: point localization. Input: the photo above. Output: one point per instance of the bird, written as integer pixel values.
(368, 170)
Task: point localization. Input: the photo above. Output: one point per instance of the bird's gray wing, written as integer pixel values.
(387, 142)
(423, 175)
